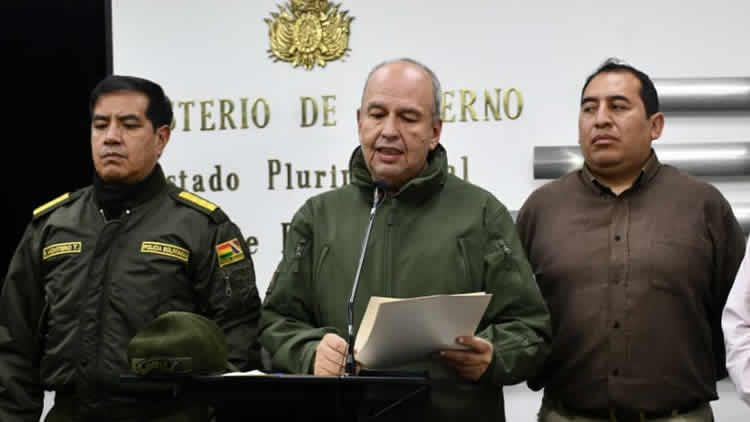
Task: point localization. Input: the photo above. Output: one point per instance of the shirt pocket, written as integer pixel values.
(680, 265)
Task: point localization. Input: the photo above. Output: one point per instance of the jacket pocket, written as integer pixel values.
(501, 254)
(500, 264)
(239, 287)
(299, 253)
(469, 264)
(320, 262)
(43, 324)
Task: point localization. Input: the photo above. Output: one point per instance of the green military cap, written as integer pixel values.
(178, 343)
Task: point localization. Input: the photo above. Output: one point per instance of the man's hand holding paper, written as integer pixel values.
(470, 363)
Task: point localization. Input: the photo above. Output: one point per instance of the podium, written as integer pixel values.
(370, 396)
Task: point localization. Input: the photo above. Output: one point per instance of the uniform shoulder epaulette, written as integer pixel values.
(54, 204)
(203, 205)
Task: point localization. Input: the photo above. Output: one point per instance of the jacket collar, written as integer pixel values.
(116, 197)
(418, 189)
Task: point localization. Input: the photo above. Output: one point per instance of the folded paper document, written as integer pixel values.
(395, 331)
(253, 373)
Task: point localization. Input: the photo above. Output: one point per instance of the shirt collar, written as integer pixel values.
(648, 171)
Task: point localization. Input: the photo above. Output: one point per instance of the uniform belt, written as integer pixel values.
(619, 414)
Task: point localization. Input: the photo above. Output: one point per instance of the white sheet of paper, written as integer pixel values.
(394, 331)
(253, 373)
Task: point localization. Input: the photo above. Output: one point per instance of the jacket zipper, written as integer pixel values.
(106, 285)
(93, 363)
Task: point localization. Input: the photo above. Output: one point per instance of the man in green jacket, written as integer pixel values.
(95, 266)
(433, 234)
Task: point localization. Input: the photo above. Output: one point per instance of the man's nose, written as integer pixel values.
(113, 133)
(602, 117)
(390, 127)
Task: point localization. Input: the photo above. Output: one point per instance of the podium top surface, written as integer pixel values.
(224, 386)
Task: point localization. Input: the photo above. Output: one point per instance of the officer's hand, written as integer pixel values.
(470, 363)
(330, 355)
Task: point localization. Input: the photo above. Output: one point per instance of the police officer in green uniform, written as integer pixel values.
(97, 265)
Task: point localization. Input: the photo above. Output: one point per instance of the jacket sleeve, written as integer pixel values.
(729, 249)
(288, 329)
(228, 283)
(517, 316)
(735, 323)
(21, 304)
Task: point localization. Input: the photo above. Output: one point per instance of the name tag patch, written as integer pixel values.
(165, 249)
(162, 365)
(229, 252)
(61, 248)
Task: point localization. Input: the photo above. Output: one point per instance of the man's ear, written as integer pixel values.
(437, 129)
(162, 138)
(657, 125)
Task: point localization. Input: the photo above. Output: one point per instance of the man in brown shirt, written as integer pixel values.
(635, 259)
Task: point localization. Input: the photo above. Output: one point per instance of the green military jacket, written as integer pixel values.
(80, 286)
(436, 235)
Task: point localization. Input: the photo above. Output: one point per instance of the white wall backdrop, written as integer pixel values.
(217, 51)
(215, 55)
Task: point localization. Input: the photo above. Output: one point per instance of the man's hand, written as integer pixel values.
(470, 363)
(330, 355)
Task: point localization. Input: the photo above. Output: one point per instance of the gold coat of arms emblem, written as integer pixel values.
(308, 32)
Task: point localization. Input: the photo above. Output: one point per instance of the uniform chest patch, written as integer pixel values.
(166, 249)
(229, 252)
(61, 248)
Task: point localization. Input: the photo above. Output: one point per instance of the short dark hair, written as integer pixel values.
(159, 109)
(649, 96)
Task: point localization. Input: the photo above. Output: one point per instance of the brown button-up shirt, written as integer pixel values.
(635, 284)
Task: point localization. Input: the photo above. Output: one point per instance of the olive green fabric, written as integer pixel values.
(81, 285)
(178, 343)
(437, 235)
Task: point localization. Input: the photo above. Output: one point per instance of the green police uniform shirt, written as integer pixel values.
(80, 286)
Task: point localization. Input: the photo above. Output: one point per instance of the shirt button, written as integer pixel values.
(617, 237)
(616, 324)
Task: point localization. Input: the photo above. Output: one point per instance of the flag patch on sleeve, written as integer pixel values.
(229, 252)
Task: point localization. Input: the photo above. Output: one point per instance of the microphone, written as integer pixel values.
(378, 196)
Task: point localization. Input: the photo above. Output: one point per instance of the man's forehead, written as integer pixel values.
(399, 82)
(609, 84)
(121, 103)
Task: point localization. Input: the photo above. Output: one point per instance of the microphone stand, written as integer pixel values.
(377, 199)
